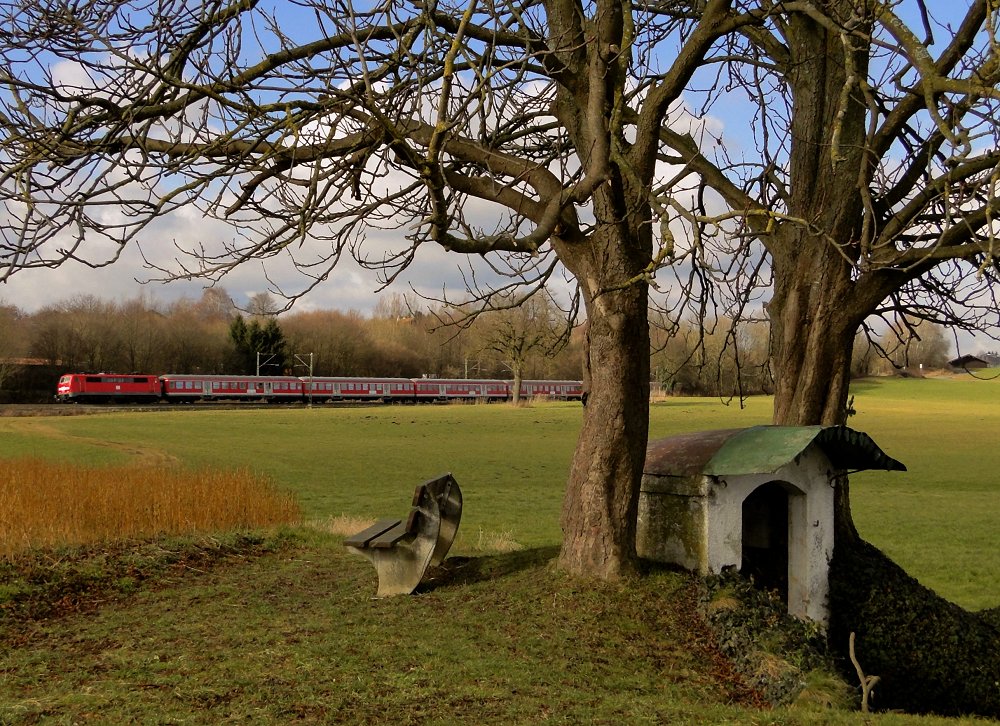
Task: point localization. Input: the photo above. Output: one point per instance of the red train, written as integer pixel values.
(107, 387)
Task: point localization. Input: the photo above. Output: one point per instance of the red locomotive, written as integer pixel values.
(105, 387)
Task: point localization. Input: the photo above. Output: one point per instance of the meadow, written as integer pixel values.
(937, 519)
(284, 626)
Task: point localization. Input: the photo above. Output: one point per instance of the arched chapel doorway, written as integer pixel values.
(767, 514)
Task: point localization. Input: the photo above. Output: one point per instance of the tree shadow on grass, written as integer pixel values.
(469, 570)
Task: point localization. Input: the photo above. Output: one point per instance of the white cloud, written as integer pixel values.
(349, 286)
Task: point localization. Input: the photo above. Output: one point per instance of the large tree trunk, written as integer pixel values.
(600, 507)
(812, 337)
(815, 311)
(610, 262)
(813, 315)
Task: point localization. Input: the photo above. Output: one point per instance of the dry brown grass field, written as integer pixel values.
(46, 504)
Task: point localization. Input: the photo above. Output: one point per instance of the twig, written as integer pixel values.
(867, 682)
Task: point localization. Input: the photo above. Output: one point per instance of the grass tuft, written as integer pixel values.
(501, 542)
(824, 690)
(342, 525)
(723, 599)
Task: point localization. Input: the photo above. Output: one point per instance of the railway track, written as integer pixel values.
(83, 409)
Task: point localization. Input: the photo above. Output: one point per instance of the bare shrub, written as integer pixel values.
(497, 542)
(45, 504)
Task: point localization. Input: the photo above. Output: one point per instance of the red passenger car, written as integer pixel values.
(188, 388)
(560, 390)
(460, 389)
(107, 388)
(320, 388)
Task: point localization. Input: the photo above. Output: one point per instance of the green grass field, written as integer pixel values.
(937, 519)
(291, 632)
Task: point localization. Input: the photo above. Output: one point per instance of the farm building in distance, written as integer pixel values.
(968, 363)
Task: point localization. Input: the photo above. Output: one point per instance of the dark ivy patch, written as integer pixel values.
(930, 655)
(775, 653)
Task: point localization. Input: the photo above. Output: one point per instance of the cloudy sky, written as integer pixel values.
(33, 289)
(349, 288)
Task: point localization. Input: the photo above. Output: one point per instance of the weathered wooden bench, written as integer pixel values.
(402, 550)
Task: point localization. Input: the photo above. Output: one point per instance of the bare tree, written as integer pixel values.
(517, 332)
(263, 304)
(727, 359)
(140, 324)
(916, 344)
(523, 134)
(94, 332)
(339, 341)
(868, 188)
(195, 335)
(215, 304)
(872, 190)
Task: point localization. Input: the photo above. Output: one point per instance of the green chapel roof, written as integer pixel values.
(763, 450)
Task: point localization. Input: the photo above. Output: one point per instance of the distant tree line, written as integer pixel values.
(400, 338)
(720, 359)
